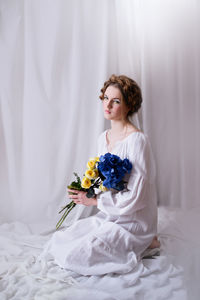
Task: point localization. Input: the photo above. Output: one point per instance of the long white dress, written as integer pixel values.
(113, 240)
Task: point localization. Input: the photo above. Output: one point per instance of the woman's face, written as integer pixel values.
(113, 105)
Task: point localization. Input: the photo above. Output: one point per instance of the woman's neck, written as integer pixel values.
(119, 127)
(119, 130)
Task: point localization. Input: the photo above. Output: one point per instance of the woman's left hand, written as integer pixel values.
(79, 197)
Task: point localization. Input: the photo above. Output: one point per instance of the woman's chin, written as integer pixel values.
(107, 116)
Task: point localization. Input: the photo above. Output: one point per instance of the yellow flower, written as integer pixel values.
(96, 158)
(96, 173)
(85, 183)
(91, 164)
(103, 188)
(89, 174)
(92, 174)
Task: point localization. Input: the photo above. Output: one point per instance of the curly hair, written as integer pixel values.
(129, 89)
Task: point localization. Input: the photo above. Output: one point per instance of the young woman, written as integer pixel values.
(114, 240)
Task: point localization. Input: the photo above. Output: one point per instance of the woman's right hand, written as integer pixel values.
(79, 197)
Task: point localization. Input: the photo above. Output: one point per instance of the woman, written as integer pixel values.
(114, 240)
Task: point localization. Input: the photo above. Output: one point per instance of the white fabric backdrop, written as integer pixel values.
(54, 58)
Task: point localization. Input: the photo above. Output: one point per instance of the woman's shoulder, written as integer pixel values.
(135, 132)
(101, 141)
(137, 136)
(138, 143)
(102, 135)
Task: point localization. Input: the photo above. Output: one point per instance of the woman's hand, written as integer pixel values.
(155, 243)
(79, 197)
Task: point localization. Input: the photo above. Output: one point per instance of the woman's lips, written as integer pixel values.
(107, 111)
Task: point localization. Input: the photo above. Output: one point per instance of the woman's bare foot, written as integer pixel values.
(155, 243)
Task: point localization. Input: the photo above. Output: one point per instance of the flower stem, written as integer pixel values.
(66, 206)
(69, 207)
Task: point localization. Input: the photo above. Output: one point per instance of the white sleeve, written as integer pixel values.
(134, 197)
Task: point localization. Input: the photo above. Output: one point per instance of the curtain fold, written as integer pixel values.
(55, 57)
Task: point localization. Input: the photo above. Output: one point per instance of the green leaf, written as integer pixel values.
(75, 186)
(78, 180)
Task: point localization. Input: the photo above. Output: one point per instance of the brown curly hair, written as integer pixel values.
(129, 89)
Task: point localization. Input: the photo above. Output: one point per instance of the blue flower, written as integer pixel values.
(127, 165)
(112, 169)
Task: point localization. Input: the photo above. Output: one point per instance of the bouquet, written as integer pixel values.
(104, 173)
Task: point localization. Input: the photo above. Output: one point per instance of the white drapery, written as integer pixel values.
(54, 58)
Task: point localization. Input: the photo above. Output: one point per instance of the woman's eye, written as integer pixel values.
(116, 101)
(105, 98)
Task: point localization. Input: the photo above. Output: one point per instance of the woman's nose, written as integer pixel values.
(109, 104)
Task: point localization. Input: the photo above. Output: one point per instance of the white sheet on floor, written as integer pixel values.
(23, 277)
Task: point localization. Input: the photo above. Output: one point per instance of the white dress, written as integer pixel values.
(113, 240)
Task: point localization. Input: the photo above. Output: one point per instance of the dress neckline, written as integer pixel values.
(121, 141)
